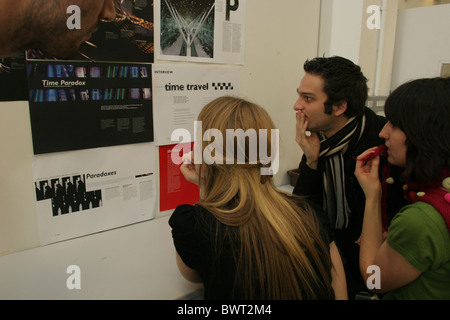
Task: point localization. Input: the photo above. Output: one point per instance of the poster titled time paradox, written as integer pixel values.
(74, 105)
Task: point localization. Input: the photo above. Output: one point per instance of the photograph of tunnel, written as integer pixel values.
(187, 28)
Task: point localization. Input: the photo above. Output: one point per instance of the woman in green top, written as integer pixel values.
(413, 262)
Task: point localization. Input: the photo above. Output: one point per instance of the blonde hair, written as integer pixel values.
(281, 252)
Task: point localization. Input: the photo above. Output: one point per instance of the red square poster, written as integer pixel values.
(174, 188)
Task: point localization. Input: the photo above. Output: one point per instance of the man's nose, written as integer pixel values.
(298, 105)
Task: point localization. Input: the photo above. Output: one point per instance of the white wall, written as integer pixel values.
(18, 224)
(422, 43)
(340, 28)
(376, 53)
(280, 36)
(344, 32)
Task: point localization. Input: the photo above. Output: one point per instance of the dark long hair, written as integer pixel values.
(421, 109)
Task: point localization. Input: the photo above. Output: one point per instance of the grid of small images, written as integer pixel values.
(67, 82)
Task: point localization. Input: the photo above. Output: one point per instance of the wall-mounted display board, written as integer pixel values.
(101, 152)
(210, 31)
(181, 91)
(76, 105)
(87, 191)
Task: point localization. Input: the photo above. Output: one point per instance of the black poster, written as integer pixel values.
(79, 105)
(13, 78)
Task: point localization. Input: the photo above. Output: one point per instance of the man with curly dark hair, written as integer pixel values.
(333, 128)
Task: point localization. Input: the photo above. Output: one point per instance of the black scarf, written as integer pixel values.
(331, 152)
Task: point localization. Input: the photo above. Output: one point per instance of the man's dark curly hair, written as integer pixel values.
(343, 81)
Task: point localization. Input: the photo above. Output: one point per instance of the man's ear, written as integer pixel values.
(339, 108)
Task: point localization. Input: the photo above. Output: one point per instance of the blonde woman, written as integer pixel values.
(245, 239)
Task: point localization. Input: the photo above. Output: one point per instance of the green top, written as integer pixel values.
(419, 233)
